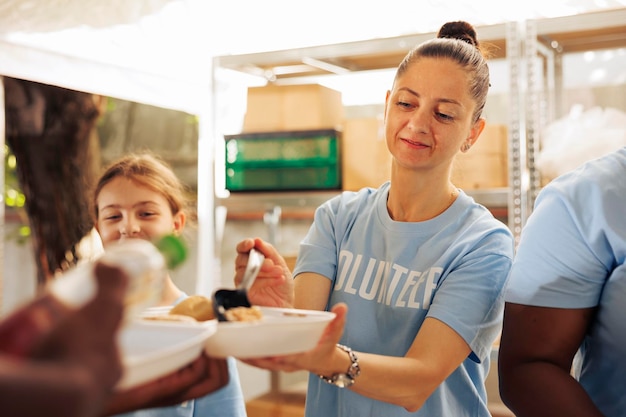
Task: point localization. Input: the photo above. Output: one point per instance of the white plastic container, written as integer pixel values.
(144, 264)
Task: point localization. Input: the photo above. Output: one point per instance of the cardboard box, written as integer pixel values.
(292, 107)
(366, 161)
(485, 165)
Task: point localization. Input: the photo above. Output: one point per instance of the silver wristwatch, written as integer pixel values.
(345, 380)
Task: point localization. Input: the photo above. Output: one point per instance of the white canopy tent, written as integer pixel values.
(159, 51)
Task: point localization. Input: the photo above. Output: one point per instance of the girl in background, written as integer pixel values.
(139, 196)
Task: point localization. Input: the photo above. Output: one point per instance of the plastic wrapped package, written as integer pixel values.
(579, 137)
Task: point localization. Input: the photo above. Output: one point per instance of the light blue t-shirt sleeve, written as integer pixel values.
(470, 300)
(560, 261)
(321, 241)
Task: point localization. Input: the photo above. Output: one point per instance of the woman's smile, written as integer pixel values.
(415, 143)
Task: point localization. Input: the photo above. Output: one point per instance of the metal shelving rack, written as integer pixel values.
(534, 98)
(549, 40)
(296, 65)
(516, 196)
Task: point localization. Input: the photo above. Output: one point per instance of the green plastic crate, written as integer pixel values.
(283, 161)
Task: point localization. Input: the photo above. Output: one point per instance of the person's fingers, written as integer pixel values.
(89, 331)
(167, 390)
(266, 248)
(112, 282)
(241, 260)
(274, 263)
(334, 329)
(216, 377)
(244, 246)
(107, 307)
(269, 268)
(341, 311)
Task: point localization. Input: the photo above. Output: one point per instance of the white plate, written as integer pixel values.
(151, 349)
(156, 311)
(281, 331)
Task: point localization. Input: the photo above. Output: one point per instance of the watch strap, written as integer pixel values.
(344, 380)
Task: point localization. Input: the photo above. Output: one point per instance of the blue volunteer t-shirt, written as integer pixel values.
(392, 275)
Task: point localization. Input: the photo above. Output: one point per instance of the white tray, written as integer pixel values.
(281, 331)
(151, 349)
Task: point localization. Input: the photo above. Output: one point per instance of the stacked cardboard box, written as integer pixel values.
(292, 107)
(485, 165)
(366, 161)
(294, 137)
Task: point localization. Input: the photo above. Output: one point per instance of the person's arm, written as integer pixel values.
(71, 364)
(311, 291)
(404, 381)
(537, 348)
(435, 353)
(50, 389)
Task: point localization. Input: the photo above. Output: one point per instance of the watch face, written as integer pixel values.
(343, 381)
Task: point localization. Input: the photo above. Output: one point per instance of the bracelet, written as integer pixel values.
(345, 380)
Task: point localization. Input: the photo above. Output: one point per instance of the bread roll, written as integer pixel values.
(197, 306)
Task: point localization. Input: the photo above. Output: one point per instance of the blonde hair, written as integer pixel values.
(149, 171)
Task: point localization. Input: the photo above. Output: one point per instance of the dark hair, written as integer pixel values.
(149, 171)
(456, 41)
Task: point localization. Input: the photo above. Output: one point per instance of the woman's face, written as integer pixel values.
(128, 209)
(428, 114)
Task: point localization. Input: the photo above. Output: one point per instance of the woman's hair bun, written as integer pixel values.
(459, 30)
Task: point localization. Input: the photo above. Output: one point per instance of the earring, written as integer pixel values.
(466, 147)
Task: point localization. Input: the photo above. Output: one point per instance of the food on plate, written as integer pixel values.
(197, 306)
(244, 314)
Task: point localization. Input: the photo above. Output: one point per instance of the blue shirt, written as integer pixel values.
(392, 275)
(571, 255)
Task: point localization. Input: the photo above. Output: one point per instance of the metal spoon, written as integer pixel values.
(226, 299)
